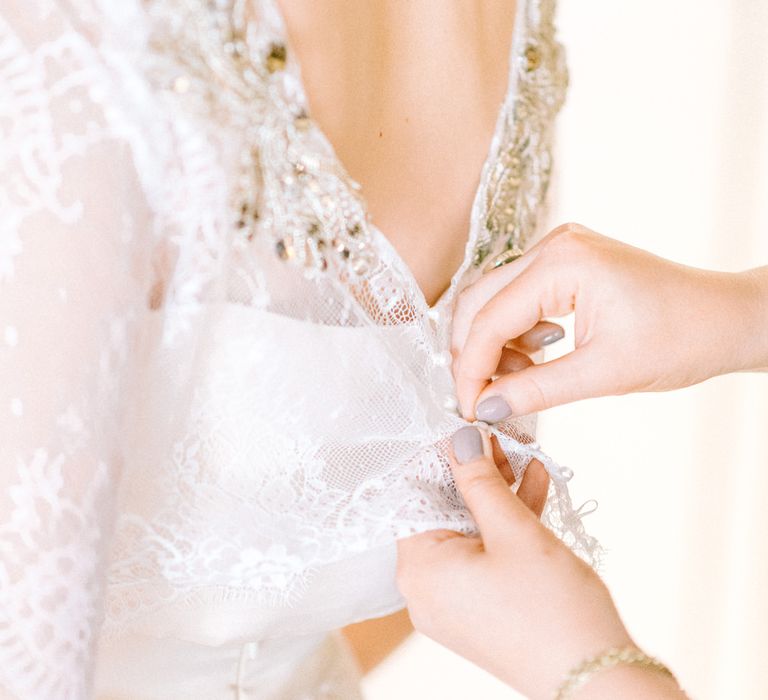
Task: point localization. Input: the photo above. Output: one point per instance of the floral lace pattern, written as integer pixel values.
(181, 257)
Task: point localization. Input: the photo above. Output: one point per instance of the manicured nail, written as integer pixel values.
(493, 409)
(467, 444)
(552, 337)
(545, 333)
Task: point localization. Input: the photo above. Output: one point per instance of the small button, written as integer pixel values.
(442, 359)
(566, 473)
(181, 84)
(450, 403)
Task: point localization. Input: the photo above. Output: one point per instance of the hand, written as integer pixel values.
(515, 600)
(643, 323)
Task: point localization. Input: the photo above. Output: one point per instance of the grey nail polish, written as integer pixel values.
(493, 409)
(552, 337)
(467, 444)
(542, 334)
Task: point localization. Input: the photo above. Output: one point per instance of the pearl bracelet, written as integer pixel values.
(629, 655)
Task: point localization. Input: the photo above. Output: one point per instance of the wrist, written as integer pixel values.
(734, 321)
(625, 672)
(756, 283)
(630, 683)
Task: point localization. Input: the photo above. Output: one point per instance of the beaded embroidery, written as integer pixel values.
(519, 180)
(236, 67)
(290, 180)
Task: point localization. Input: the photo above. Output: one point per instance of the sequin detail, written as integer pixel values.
(314, 203)
(227, 66)
(520, 178)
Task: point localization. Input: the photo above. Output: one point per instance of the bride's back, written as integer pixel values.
(408, 94)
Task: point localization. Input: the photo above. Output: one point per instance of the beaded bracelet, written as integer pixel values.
(629, 655)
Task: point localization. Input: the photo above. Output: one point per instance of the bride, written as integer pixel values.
(232, 233)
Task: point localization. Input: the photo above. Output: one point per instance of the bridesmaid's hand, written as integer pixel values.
(515, 600)
(643, 323)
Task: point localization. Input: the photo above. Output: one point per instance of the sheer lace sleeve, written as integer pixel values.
(70, 289)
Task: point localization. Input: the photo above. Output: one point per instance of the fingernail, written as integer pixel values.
(493, 409)
(545, 333)
(552, 337)
(467, 444)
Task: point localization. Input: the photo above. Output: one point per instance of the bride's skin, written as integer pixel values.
(520, 603)
(408, 94)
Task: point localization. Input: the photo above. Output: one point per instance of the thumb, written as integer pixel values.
(495, 508)
(538, 387)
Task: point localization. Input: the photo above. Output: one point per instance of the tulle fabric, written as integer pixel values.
(214, 426)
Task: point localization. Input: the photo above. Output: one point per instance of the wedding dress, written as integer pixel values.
(223, 396)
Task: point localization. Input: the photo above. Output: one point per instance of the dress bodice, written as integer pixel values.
(225, 396)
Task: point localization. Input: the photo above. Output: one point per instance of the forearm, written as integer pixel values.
(726, 329)
(373, 640)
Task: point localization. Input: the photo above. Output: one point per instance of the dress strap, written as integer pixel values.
(516, 185)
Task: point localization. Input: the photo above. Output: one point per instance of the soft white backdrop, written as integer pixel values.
(663, 143)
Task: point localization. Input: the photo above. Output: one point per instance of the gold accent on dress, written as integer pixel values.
(518, 184)
(276, 58)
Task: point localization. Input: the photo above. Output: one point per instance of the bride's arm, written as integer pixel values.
(373, 640)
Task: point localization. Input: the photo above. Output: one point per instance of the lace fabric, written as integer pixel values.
(217, 378)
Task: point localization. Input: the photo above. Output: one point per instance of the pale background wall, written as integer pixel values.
(664, 144)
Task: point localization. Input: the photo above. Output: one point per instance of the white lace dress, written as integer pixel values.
(223, 396)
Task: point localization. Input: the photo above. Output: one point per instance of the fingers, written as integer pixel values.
(568, 378)
(425, 551)
(474, 297)
(494, 507)
(510, 313)
(502, 463)
(414, 547)
(542, 334)
(422, 558)
(534, 487)
(512, 361)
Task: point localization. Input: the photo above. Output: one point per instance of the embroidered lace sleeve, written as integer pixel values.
(70, 283)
